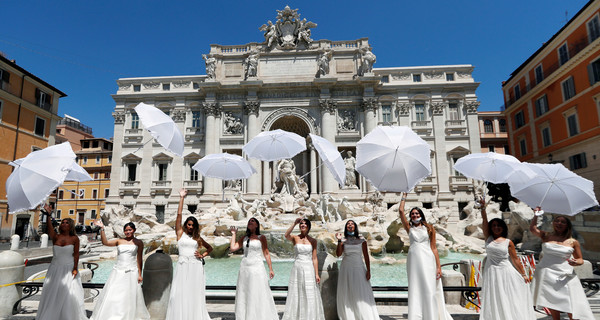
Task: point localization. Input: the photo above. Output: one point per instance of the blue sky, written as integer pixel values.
(83, 47)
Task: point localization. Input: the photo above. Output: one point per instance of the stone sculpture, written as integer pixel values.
(368, 59)
(270, 33)
(232, 124)
(211, 66)
(251, 64)
(288, 31)
(346, 121)
(323, 62)
(350, 163)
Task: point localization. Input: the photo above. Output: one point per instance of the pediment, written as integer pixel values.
(192, 156)
(162, 156)
(459, 150)
(131, 157)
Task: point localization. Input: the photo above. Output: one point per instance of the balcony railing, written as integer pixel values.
(75, 124)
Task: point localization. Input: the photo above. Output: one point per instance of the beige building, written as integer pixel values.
(492, 132)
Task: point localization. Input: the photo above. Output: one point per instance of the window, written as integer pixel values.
(58, 214)
(420, 112)
(578, 161)
(166, 86)
(109, 159)
(97, 159)
(506, 149)
(0, 110)
(85, 144)
(93, 213)
(517, 90)
(386, 113)
(95, 144)
(563, 54)
(4, 79)
(568, 88)
(453, 111)
(594, 72)
(193, 173)
(196, 119)
(160, 214)
(73, 193)
(96, 175)
(454, 160)
(519, 119)
(71, 212)
(449, 76)
(539, 74)
(137, 88)
(43, 100)
(84, 160)
(385, 79)
(82, 193)
(523, 146)
(162, 171)
(61, 194)
(488, 126)
(94, 193)
(107, 175)
(416, 78)
(135, 120)
(491, 149)
(541, 105)
(131, 168)
(546, 137)
(106, 193)
(572, 124)
(593, 27)
(40, 126)
(502, 125)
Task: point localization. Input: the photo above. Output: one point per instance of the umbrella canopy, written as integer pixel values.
(275, 145)
(224, 166)
(490, 166)
(331, 157)
(77, 173)
(554, 188)
(161, 127)
(37, 175)
(393, 158)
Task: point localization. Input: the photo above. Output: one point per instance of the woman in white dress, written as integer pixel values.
(555, 284)
(355, 300)
(122, 297)
(425, 291)
(303, 300)
(505, 293)
(62, 294)
(187, 300)
(253, 298)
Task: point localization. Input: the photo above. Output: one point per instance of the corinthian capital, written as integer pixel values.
(178, 115)
(328, 105)
(472, 106)
(403, 109)
(438, 107)
(212, 109)
(119, 117)
(251, 107)
(369, 104)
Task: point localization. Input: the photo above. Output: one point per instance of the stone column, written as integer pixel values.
(313, 171)
(473, 126)
(328, 130)
(439, 134)
(251, 109)
(212, 111)
(370, 108)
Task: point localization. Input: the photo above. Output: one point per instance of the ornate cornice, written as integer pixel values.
(328, 105)
(472, 106)
(212, 108)
(403, 109)
(119, 117)
(251, 107)
(369, 104)
(178, 115)
(438, 107)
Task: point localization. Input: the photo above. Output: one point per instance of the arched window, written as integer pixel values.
(502, 125)
(488, 127)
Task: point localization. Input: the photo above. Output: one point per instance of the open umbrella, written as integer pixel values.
(224, 166)
(393, 158)
(274, 145)
(161, 127)
(554, 188)
(331, 157)
(77, 173)
(37, 175)
(490, 166)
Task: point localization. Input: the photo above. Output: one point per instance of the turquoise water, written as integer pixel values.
(224, 271)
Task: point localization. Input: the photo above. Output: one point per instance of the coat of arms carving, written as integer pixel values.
(289, 31)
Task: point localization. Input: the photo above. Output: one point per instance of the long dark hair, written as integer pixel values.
(423, 220)
(196, 227)
(356, 233)
(308, 225)
(502, 224)
(256, 232)
(129, 224)
(569, 232)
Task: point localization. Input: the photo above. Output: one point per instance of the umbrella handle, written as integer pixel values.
(74, 193)
(145, 143)
(304, 175)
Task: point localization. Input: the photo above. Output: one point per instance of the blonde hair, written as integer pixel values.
(71, 223)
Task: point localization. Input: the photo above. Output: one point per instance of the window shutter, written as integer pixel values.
(572, 162)
(583, 160)
(590, 69)
(5, 76)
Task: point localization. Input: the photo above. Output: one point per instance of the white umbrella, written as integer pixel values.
(554, 188)
(393, 158)
(275, 145)
(224, 166)
(161, 127)
(37, 175)
(331, 157)
(490, 166)
(77, 173)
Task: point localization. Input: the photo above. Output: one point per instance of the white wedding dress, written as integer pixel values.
(504, 293)
(303, 300)
(425, 293)
(355, 300)
(188, 291)
(253, 298)
(555, 284)
(122, 297)
(62, 294)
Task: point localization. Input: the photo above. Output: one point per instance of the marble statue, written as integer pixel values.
(288, 31)
(323, 62)
(251, 64)
(270, 33)
(304, 31)
(286, 172)
(232, 124)
(346, 121)
(368, 59)
(211, 65)
(350, 163)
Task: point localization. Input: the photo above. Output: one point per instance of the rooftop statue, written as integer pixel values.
(368, 59)
(289, 31)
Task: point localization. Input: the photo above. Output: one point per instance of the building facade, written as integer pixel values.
(71, 130)
(28, 120)
(492, 132)
(298, 84)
